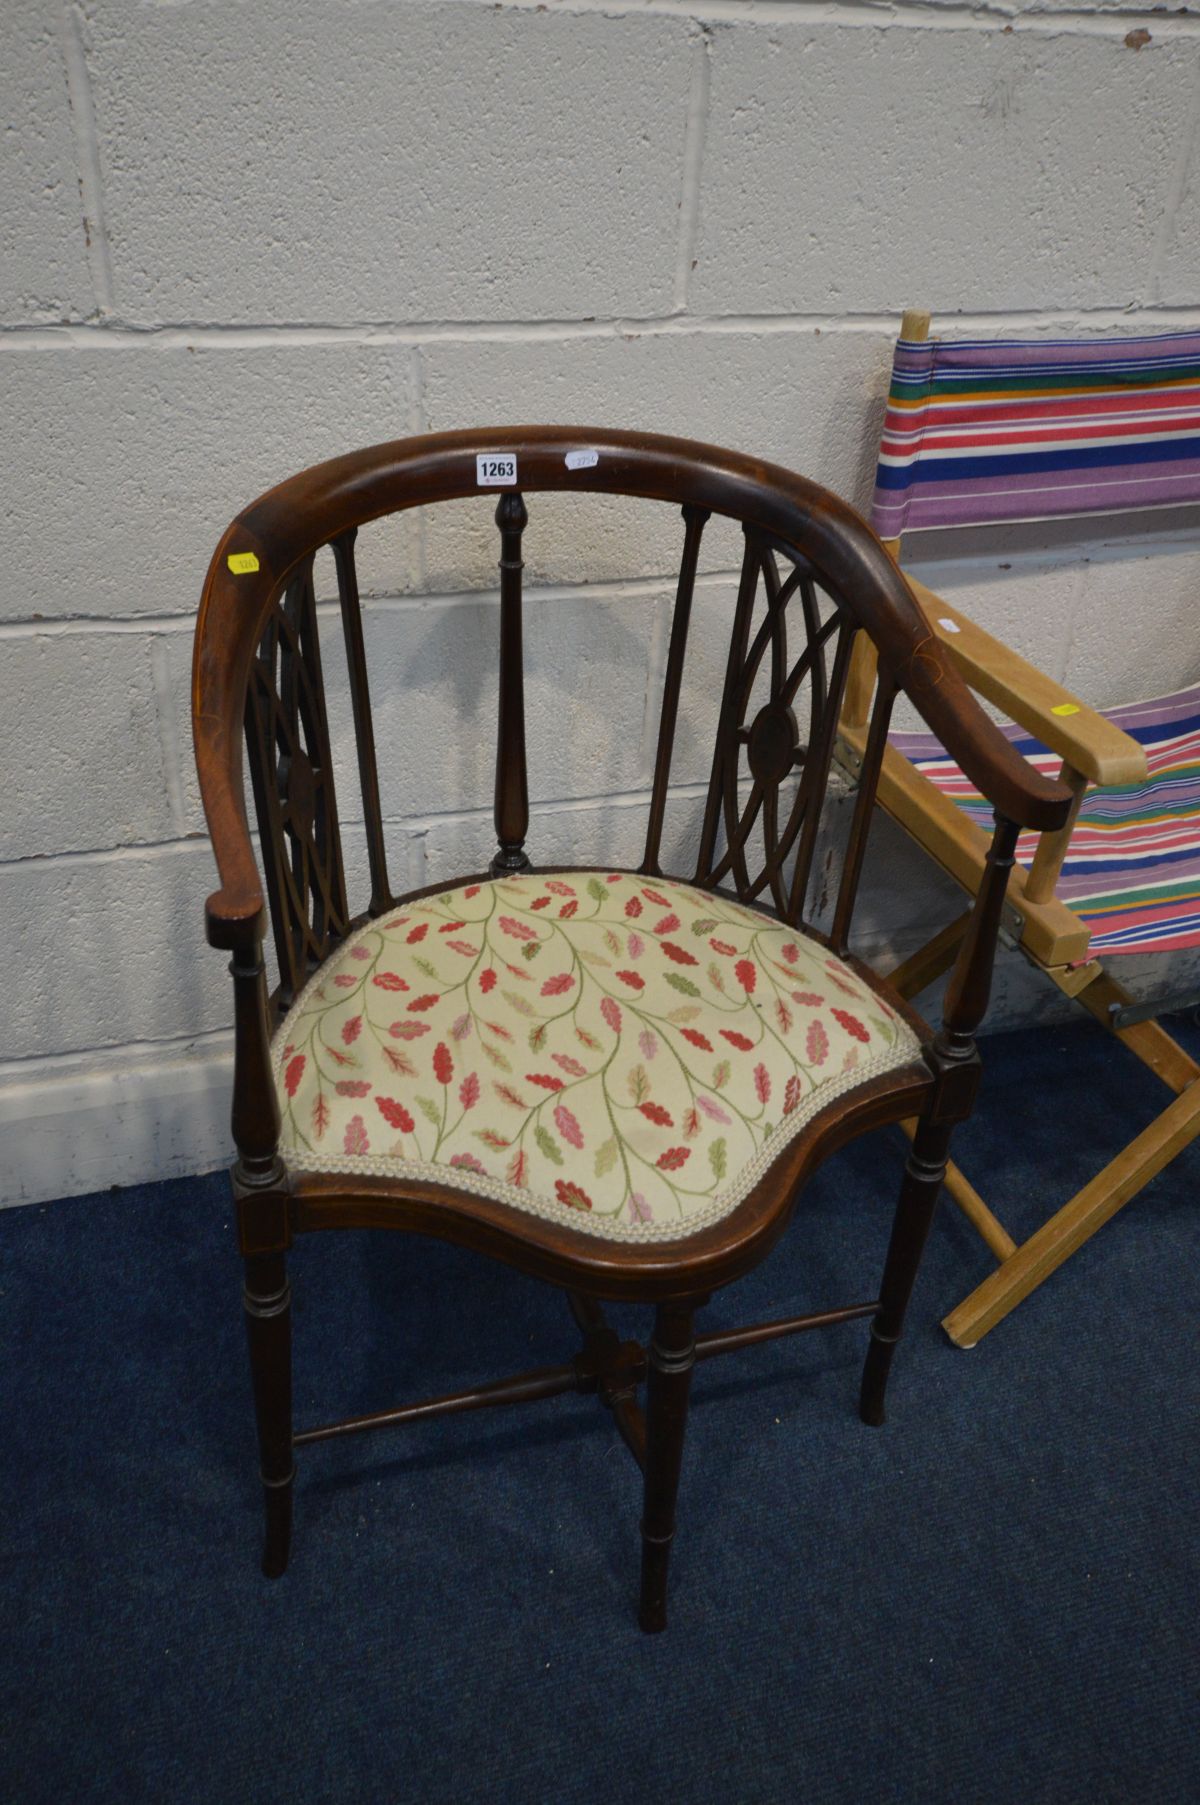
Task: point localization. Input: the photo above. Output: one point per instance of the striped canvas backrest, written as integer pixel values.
(985, 430)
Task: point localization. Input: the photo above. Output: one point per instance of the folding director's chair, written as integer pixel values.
(992, 432)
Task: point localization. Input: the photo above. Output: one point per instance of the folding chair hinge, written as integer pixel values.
(1128, 1015)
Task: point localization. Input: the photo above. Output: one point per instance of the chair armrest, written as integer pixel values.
(234, 914)
(1088, 742)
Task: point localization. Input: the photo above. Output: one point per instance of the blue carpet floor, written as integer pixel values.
(994, 1598)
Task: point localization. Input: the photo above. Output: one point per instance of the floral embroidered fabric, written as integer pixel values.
(621, 1055)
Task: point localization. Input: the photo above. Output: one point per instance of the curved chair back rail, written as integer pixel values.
(273, 541)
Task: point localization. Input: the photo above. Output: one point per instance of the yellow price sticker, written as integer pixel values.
(1066, 708)
(242, 563)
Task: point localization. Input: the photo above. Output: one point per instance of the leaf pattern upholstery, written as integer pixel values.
(624, 1055)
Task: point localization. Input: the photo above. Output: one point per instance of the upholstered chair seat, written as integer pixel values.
(622, 1055)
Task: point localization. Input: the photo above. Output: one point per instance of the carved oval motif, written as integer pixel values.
(774, 738)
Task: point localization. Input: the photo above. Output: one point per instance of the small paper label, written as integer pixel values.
(493, 469)
(242, 563)
(582, 460)
(950, 626)
(1065, 708)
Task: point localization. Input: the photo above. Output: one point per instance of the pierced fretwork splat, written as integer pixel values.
(287, 738)
(785, 813)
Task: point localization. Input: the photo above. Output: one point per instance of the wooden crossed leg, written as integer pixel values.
(1023, 1268)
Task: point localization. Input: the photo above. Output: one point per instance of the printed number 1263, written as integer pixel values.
(495, 469)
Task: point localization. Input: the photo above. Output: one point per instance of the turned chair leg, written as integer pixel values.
(268, 1301)
(668, 1382)
(923, 1175)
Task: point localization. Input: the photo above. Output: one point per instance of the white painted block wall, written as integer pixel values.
(237, 239)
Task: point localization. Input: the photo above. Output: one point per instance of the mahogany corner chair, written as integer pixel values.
(616, 1081)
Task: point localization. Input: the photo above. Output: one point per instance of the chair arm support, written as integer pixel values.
(970, 983)
(256, 1118)
(1088, 742)
(953, 1055)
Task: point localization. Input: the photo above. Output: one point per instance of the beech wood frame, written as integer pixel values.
(257, 622)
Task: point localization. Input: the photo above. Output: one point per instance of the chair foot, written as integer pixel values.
(873, 1390)
(668, 1384)
(277, 1541)
(652, 1608)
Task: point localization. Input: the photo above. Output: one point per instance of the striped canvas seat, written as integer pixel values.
(981, 432)
(1132, 872)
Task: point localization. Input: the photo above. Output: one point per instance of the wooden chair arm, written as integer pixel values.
(1086, 741)
(235, 914)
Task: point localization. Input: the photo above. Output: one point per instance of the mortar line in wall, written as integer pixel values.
(87, 149)
(989, 15)
(695, 132)
(418, 424)
(558, 805)
(416, 406)
(64, 626)
(152, 850)
(1174, 195)
(616, 590)
(1075, 609)
(168, 733)
(626, 589)
(102, 1061)
(198, 841)
(120, 335)
(656, 665)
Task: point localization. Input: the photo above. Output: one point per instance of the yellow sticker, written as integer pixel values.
(242, 563)
(1066, 708)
